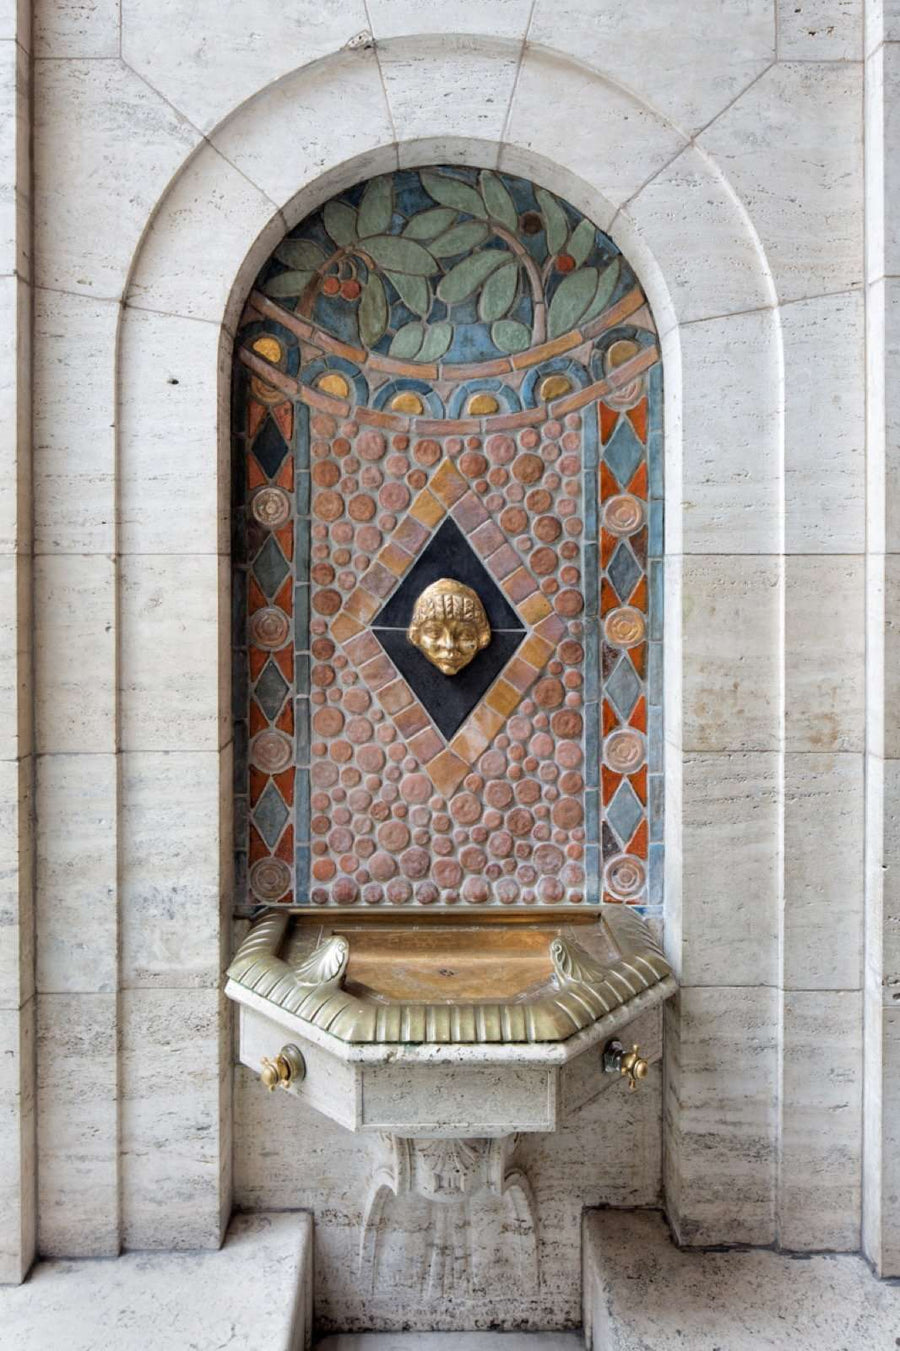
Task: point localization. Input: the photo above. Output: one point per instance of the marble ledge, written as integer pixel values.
(133, 1303)
(710, 1300)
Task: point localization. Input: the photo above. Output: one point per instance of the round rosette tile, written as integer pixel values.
(623, 514)
(269, 628)
(624, 750)
(625, 876)
(624, 627)
(270, 879)
(271, 751)
(271, 507)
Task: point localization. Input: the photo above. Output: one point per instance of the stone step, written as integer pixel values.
(641, 1291)
(254, 1294)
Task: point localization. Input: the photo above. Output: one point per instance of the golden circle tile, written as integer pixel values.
(269, 628)
(624, 627)
(623, 514)
(269, 879)
(482, 405)
(623, 750)
(271, 751)
(625, 876)
(271, 507)
(554, 387)
(332, 382)
(407, 401)
(270, 348)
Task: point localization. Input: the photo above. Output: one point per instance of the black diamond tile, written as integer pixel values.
(448, 555)
(269, 447)
(448, 699)
(270, 690)
(270, 568)
(624, 572)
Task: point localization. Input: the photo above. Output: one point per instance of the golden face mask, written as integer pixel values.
(449, 625)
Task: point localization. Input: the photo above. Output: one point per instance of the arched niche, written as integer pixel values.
(448, 372)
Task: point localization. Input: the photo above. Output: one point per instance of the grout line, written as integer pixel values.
(504, 130)
(384, 89)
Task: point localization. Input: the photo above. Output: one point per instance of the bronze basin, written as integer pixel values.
(448, 978)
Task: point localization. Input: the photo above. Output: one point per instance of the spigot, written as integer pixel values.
(616, 1060)
(288, 1067)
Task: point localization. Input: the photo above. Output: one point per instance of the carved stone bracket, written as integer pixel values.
(447, 1173)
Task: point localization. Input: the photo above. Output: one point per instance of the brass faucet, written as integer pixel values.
(616, 1060)
(288, 1067)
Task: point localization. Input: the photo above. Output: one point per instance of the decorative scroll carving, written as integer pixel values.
(572, 963)
(326, 965)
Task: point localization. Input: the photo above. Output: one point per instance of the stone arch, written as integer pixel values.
(254, 177)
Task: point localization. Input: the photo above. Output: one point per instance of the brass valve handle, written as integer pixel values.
(288, 1067)
(616, 1060)
(635, 1066)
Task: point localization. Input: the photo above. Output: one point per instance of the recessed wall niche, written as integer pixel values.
(448, 373)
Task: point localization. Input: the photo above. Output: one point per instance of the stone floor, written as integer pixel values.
(252, 1295)
(642, 1292)
(454, 1341)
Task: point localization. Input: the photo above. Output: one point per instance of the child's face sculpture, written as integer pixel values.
(449, 625)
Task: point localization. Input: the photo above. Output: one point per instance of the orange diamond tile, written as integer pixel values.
(447, 771)
(344, 626)
(448, 484)
(502, 697)
(427, 509)
(535, 608)
(395, 559)
(469, 743)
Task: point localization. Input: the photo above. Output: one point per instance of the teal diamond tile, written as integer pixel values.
(623, 688)
(624, 812)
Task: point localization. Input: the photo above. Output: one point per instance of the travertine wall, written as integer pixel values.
(722, 149)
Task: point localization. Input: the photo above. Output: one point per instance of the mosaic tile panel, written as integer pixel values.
(448, 373)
